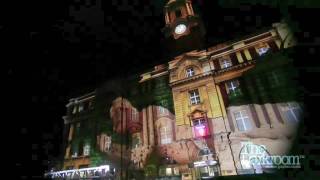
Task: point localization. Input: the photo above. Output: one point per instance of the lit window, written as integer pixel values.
(200, 127)
(263, 50)
(163, 111)
(224, 63)
(206, 67)
(292, 112)
(168, 171)
(190, 72)
(134, 115)
(242, 120)
(86, 150)
(232, 86)
(194, 97)
(80, 107)
(165, 135)
(175, 171)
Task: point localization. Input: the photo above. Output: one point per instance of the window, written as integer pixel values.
(224, 63)
(189, 72)
(206, 67)
(165, 135)
(135, 140)
(80, 107)
(168, 171)
(163, 111)
(86, 150)
(232, 86)
(194, 97)
(175, 171)
(199, 122)
(242, 120)
(200, 127)
(292, 112)
(134, 115)
(263, 50)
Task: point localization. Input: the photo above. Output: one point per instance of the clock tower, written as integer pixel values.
(183, 27)
(180, 18)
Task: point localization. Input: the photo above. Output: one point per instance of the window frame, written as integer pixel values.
(194, 97)
(134, 114)
(234, 86)
(290, 107)
(241, 119)
(265, 47)
(165, 135)
(86, 150)
(200, 122)
(225, 65)
(190, 73)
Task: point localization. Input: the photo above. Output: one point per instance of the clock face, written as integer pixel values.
(181, 28)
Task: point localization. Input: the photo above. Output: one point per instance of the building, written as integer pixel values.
(79, 113)
(197, 113)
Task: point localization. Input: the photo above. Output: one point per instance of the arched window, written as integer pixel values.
(190, 72)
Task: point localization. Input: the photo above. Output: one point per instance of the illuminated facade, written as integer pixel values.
(77, 151)
(200, 109)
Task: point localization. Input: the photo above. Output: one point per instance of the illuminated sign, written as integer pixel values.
(204, 163)
(80, 173)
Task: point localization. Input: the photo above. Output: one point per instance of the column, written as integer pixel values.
(71, 132)
(273, 118)
(188, 9)
(239, 57)
(150, 124)
(144, 127)
(261, 117)
(247, 54)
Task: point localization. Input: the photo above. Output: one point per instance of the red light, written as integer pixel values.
(201, 130)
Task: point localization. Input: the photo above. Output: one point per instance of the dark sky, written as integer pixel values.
(70, 47)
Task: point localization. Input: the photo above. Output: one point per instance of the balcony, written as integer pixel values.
(214, 72)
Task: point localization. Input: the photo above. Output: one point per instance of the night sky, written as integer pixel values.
(68, 48)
